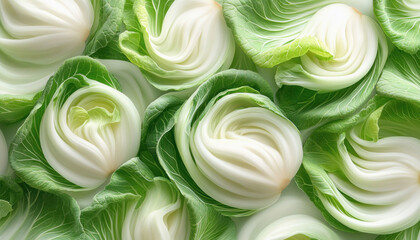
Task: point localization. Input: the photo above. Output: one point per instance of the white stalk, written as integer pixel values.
(412, 7)
(383, 178)
(292, 217)
(36, 36)
(162, 215)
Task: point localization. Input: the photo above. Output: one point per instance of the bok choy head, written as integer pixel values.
(178, 44)
(328, 54)
(364, 172)
(137, 205)
(228, 143)
(81, 130)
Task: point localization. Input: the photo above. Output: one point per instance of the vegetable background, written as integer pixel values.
(210, 119)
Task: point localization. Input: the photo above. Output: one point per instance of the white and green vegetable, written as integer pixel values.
(363, 173)
(228, 143)
(137, 205)
(328, 55)
(36, 37)
(193, 119)
(290, 218)
(133, 84)
(81, 130)
(178, 44)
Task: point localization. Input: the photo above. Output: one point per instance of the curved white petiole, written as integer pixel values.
(383, 179)
(193, 41)
(161, 215)
(36, 37)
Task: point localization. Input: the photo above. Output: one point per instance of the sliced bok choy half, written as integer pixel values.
(178, 44)
(80, 131)
(37, 36)
(363, 173)
(27, 213)
(328, 54)
(136, 205)
(229, 144)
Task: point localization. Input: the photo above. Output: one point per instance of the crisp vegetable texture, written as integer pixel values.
(364, 171)
(328, 55)
(210, 119)
(289, 218)
(178, 43)
(3, 155)
(83, 128)
(137, 205)
(401, 77)
(35, 39)
(400, 21)
(37, 36)
(27, 213)
(228, 143)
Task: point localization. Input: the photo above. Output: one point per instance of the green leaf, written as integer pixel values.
(131, 184)
(5, 208)
(106, 25)
(400, 78)
(400, 22)
(241, 61)
(37, 215)
(14, 108)
(156, 121)
(268, 31)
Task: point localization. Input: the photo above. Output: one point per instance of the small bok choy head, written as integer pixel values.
(328, 55)
(400, 21)
(178, 44)
(37, 36)
(138, 205)
(27, 213)
(228, 143)
(363, 173)
(80, 131)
